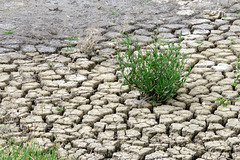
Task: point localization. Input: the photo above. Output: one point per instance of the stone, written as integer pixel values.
(43, 109)
(198, 21)
(28, 48)
(219, 146)
(215, 38)
(204, 26)
(31, 119)
(235, 28)
(4, 77)
(233, 124)
(222, 67)
(174, 26)
(228, 134)
(45, 49)
(224, 28)
(112, 118)
(205, 45)
(215, 126)
(212, 14)
(185, 12)
(226, 81)
(199, 90)
(201, 31)
(191, 130)
(205, 64)
(144, 39)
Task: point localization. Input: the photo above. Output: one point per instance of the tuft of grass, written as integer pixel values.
(73, 38)
(86, 45)
(9, 32)
(70, 46)
(26, 152)
(157, 73)
(115, 11)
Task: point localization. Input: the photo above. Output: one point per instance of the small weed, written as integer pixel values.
(113, 40)
(146, 2)
(60, 109)
(224, 16)
(199, 42)
(70, 45)
(51, 63)
(157, 72)
(9, 32)
(232, 42)
(73, 38)
(154, 103)
(115, 11)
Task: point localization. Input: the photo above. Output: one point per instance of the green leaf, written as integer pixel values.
(9, 32)
(234, 84)
(199, 42)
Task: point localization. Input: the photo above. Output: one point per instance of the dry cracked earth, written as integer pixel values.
(69, 95)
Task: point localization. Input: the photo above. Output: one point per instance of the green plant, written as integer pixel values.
(70, 45)
(199, 42)
(232, 42)
(73, 38)
(115, 11)
(9, 32)
(224, 101)
(51, 63)
(60, 108)
(26, 152)
(146, 2)
(157, 72)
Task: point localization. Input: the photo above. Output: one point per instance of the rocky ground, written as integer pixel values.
(65, 91)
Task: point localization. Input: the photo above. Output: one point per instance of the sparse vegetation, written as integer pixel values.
(9, 32)
(24, 150)
(70, 45)
(224, 101)
(31, 151)
(60, 108)
(115, 11)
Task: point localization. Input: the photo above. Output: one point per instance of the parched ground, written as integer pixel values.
(69, 95)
